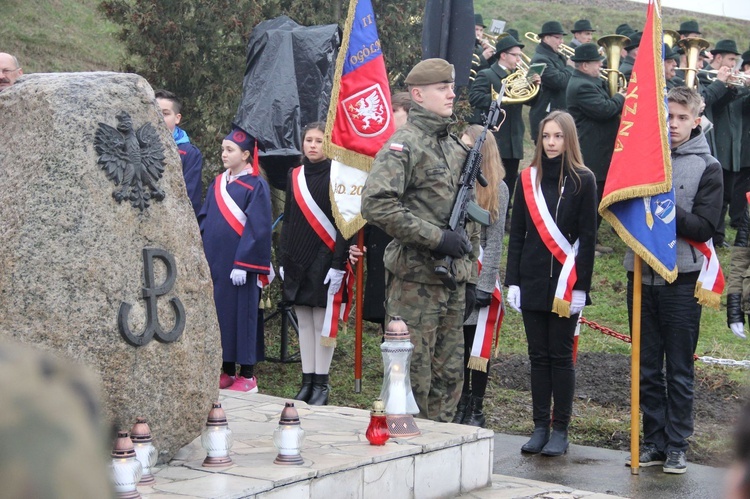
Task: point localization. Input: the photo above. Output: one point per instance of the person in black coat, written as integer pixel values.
(597, 115)
(626, 66)
(509, 137)
(555, 77)
(555, 196)
(313, 261)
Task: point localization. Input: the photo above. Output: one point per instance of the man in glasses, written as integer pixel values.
(9, 70)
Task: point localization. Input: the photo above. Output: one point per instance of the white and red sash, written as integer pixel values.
(235, 217)
(310, 209)
(554, 240)
(335, 308)
(489, 320)
(710, 283)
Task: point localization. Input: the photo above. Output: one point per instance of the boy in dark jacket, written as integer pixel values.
(191, 157)
(670, 317)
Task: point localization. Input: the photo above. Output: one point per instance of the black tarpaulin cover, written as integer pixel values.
(287, 82)
(448, 33)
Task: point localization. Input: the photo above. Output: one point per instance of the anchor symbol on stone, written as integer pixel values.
(151, 292)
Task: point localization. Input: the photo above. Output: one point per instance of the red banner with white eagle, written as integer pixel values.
(360, 119)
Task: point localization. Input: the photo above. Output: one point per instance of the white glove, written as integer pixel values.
(238, 277)
(335, 278)
(738, 329)
(281, 273)
(514, 298)
(577, 302)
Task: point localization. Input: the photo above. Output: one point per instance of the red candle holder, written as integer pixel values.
(377, 432)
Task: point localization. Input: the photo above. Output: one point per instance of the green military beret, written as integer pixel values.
(725, 47)
(582, 25)
(689, 27)
(431, 71)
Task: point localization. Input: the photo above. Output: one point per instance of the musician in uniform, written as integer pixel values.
(725, 138)
(409, 194)
(671, 60)
(483, 49)
(597, 115)
(555, 77)
(626, 66)
(583, 32)
(688, 29)
(510, 135)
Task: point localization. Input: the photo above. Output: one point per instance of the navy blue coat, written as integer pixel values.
(192, 171)
(237, 306)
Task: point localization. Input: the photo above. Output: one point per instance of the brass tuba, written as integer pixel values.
(692, 48)
(671, 37)
(613, 45)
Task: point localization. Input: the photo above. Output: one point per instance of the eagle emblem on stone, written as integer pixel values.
(133, 160)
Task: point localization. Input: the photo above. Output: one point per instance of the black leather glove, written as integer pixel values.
(483, 299)
(471, 298)
(734, 308)
(454, 243)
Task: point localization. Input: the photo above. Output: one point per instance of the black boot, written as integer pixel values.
(463, 404)
(320, 390)
(476, 416)
(306, 389)
(538, 440)
(557, 445)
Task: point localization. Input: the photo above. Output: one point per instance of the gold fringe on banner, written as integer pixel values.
(350, 228)
(707, 297)
(561, 307)
(477, 363)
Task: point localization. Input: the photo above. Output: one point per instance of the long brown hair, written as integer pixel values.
(572, 158)
(493, 170)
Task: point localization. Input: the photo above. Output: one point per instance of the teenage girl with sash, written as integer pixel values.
(313, 257)
(235, 222)
(483, 321)
(550, 262)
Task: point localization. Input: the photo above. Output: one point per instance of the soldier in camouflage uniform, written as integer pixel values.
(409, 194)
(51, 434)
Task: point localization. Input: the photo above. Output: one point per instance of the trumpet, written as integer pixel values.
(735, 79)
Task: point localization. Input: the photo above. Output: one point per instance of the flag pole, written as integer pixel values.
(358, 315)
(635, 368)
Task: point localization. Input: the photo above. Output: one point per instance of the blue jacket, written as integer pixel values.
(192, 167)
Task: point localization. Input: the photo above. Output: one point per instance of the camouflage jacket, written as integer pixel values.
(409, 194)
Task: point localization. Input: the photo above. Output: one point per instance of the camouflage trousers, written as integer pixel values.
(434, 315)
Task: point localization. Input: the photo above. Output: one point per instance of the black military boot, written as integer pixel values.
(320, 390)
(463, 404)
(538, 440)
(476, 416)
(306, 389)
(557, 445)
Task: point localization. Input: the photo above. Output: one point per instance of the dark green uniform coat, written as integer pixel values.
(724, 110)
(597, 117)
(510, 136)
(554, 82)
(626, 66)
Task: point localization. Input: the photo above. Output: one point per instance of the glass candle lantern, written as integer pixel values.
(377, 432)
(145, 452)
(216, 438)
(125, 468)
(288, 437)
(396, 392)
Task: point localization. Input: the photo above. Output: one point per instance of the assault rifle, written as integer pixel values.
(464, 207)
